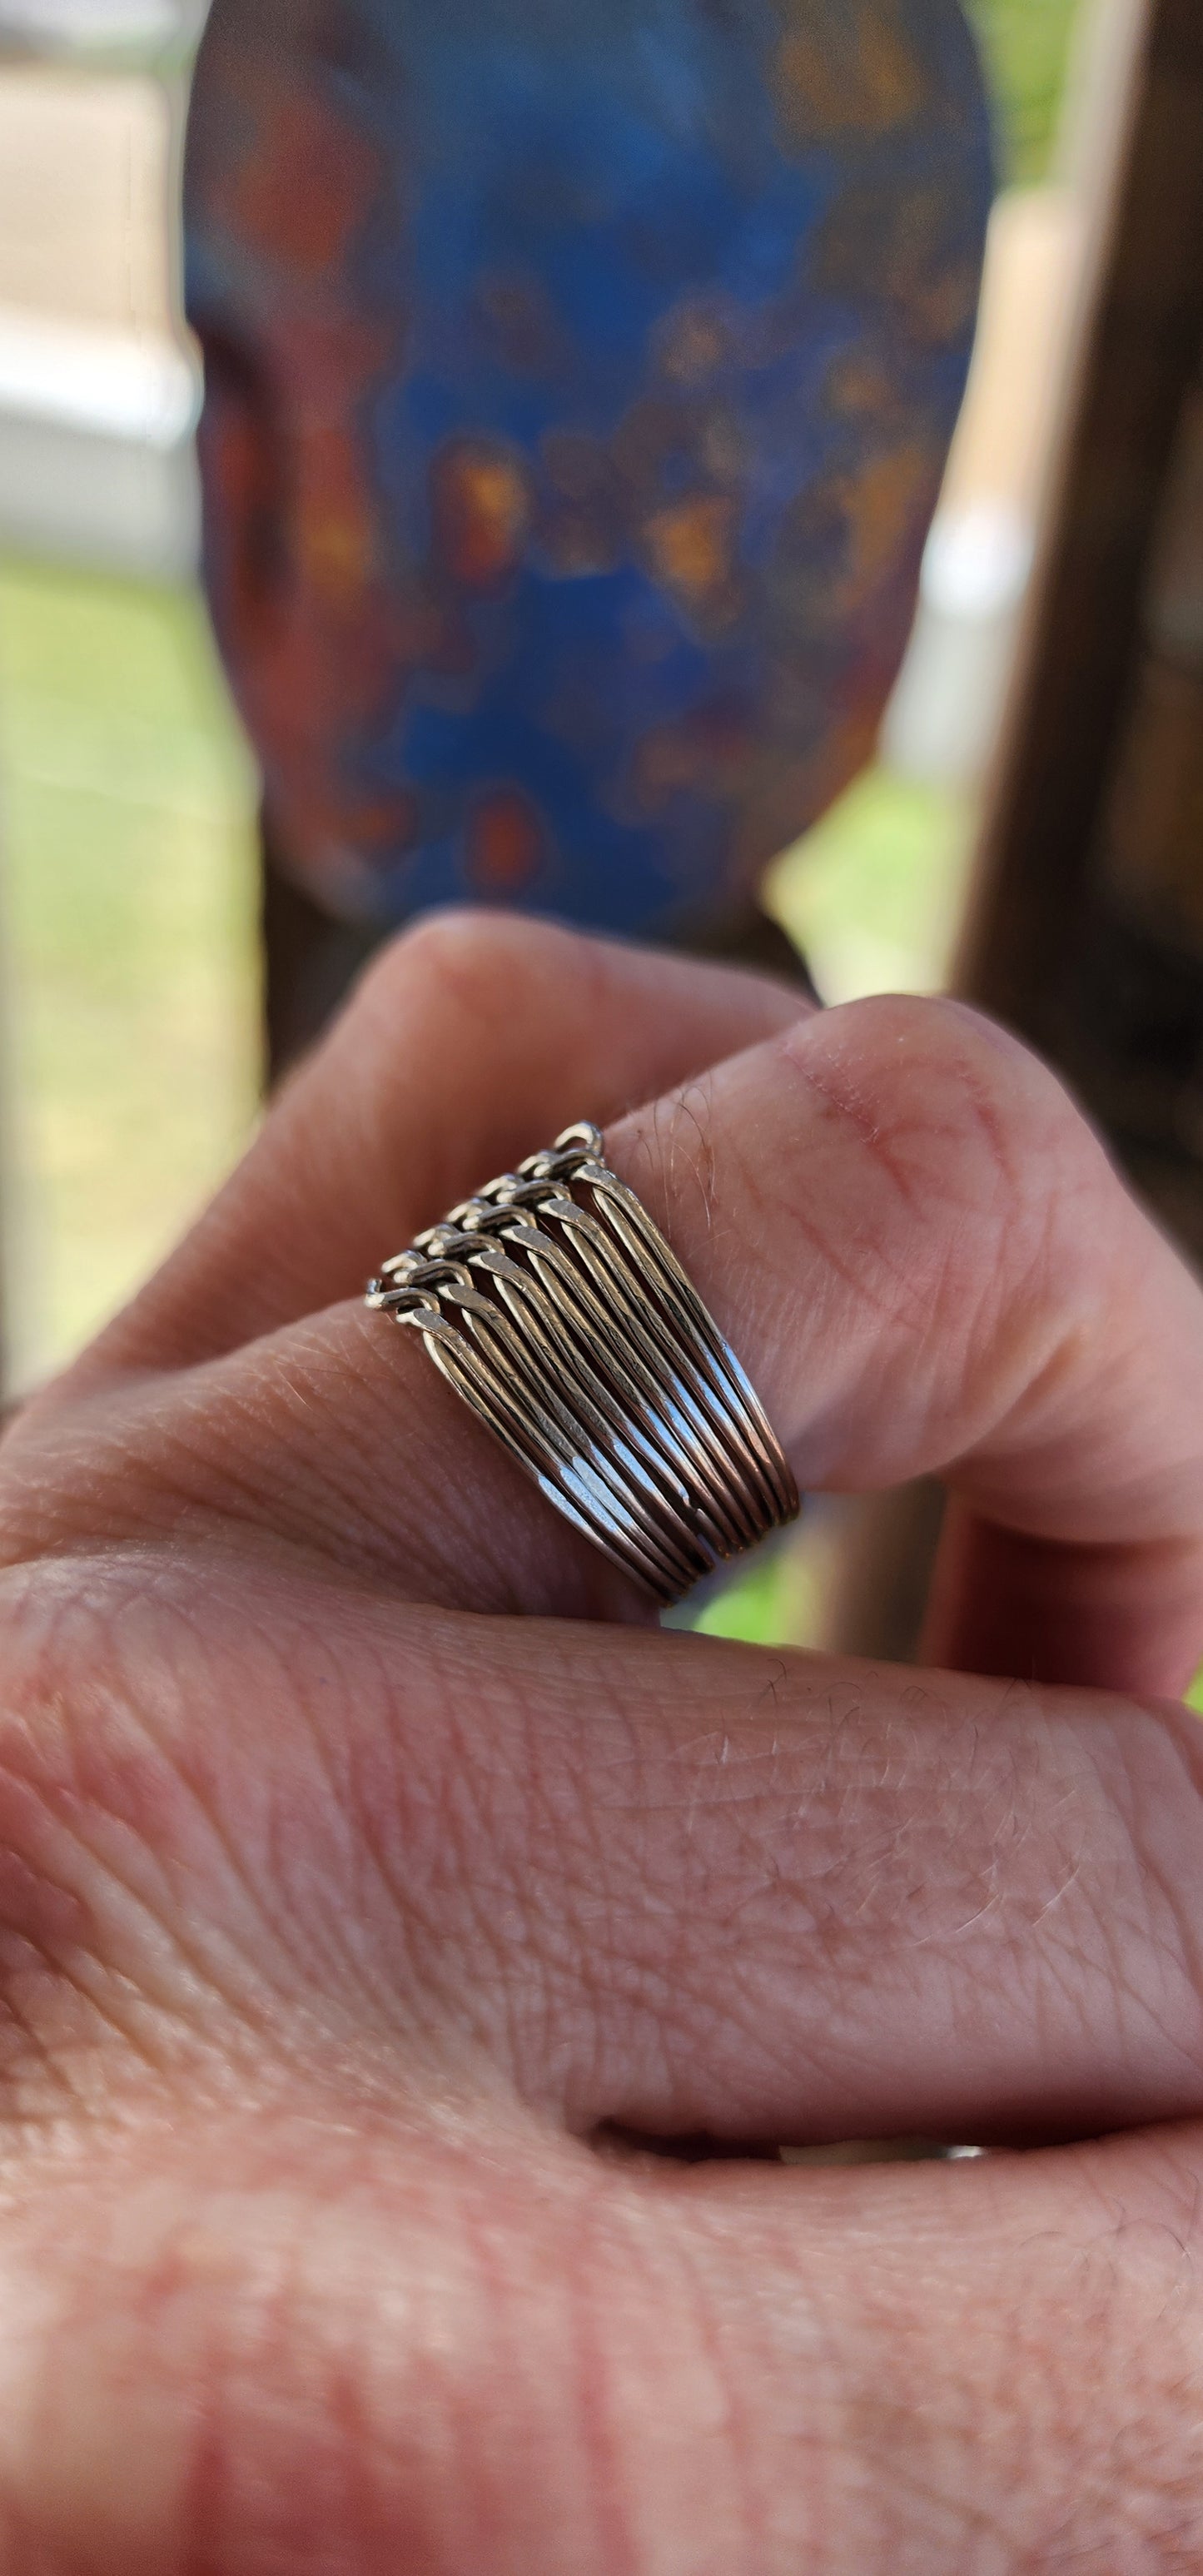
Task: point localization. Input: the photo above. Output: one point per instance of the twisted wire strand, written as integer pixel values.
(491, 1370)
(553, 1306)
(639, 1348)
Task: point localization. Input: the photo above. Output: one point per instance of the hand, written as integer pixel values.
(347, 1915)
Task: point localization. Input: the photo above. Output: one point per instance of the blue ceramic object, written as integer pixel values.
(580, 384)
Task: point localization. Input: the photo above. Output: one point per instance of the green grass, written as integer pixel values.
(1025, 46)
(128, 894)
(771, 1605)
(874, 894)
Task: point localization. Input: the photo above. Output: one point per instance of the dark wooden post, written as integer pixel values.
(1086, 929)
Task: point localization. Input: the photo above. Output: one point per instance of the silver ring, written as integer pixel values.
(555, 1308)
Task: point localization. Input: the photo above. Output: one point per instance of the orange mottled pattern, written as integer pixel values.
(846, 67)
(480, 508)
(505, 839)
(575, 414)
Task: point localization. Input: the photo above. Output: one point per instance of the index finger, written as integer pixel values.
(472, 1037)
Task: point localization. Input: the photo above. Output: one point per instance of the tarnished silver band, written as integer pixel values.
(556, 1309)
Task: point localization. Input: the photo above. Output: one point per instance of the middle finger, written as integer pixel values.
(650, 1880)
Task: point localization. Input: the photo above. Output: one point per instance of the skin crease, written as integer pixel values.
(370, 1865)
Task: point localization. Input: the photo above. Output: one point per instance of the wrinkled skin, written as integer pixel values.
(364, 1851)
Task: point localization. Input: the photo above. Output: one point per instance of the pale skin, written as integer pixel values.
(365, 1849)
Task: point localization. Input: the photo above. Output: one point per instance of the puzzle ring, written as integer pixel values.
(555, 1308)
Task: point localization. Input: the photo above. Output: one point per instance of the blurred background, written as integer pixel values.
(128, 889)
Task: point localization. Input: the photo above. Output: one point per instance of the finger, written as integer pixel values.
(635, 1879)
(1003, 1601)
(922, 1253)
(312, 2340)
(766, 1897)
(471, 1043)
(926, 1264)
(221, 2303)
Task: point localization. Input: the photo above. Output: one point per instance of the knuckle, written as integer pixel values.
(109, 1886)
(465, 956)
(49, 1938)
(935, 1074)
(965, 1143)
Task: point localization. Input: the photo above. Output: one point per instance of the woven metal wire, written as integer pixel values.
(555, 1308)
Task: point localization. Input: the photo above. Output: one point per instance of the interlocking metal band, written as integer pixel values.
(556, 1309)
